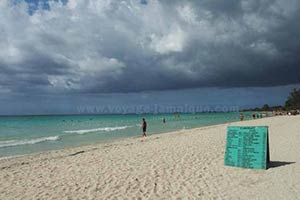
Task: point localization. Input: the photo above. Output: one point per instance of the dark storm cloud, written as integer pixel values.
(112, 46)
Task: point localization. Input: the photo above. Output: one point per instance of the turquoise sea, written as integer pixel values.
(32, 134)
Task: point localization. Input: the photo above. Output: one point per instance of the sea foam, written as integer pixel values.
(106, 129)
(11, 143)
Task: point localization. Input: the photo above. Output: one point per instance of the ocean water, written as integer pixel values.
(32, 134)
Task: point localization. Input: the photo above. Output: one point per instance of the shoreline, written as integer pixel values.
(118, 140)
(58, 134)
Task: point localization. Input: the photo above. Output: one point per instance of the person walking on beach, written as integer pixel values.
(144, 127)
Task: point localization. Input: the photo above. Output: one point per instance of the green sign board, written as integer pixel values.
(247, 147)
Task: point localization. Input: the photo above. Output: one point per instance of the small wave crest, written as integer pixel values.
(11, 143)
(106, 129)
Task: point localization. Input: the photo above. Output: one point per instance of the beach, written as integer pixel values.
(185, 164)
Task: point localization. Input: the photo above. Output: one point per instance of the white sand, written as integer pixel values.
(182, 165)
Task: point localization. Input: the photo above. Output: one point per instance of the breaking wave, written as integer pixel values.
(106, 129)
(11, 143)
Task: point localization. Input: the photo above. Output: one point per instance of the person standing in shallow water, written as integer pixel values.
(144, 127)
(242, 117)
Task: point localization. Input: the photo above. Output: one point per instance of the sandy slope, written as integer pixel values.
(183, 165)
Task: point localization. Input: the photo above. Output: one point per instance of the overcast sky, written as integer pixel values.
(117, 51)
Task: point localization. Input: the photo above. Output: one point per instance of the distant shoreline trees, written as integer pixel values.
(292, 103)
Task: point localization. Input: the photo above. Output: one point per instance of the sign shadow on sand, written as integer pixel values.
(274, 164)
